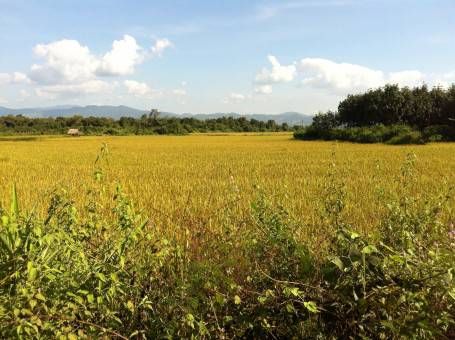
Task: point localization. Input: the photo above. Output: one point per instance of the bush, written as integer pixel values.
(413, 137)
(374, 134)
(439, 133)
(311, 133)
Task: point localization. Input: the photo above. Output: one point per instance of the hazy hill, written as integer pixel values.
(293, 118)
(65, 111)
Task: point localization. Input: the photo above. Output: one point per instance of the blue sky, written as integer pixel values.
(219, 56)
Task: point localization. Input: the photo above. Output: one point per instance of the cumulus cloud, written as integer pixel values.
(263, 89)
(345, 77)
(160, 46)
(14, 78)
(407, 78)
(236, 98)
(68, 67)
(341, 78)
(122, 59)
(277, 74)
(138, 89)
(65, 61)
(20, 78)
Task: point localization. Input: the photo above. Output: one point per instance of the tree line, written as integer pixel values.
(420, 113)
(151, 123)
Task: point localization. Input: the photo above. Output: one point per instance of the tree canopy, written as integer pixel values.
(152, 123)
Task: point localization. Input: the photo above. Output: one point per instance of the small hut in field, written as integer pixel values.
(74, 132)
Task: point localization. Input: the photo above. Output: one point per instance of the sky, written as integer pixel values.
(205, 56)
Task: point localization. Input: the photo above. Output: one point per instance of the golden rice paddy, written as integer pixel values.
(197, 176)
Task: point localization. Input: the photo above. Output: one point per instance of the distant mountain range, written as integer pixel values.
(292, 118)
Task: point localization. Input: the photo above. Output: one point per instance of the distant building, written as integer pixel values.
(73, 132)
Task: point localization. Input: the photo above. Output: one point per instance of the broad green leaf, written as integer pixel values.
(40, 296)
(101, 276)
(32, 303)
(337, 262)
(354, 235)
(237, 300)
(369, 250)
(32, 271)
(311, 306)
(90, 298)
(262, 299)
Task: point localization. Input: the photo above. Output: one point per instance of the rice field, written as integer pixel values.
(248, 236)
(194, 177)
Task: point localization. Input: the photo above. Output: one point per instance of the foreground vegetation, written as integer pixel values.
(394, 134)
(390, 115)
(223, 236)
(105, 269)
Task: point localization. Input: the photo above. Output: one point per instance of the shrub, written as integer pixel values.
(311, 133)
(401, 134)
(439, 133)
(413, 137)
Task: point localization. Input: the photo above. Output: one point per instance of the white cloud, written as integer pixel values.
(344, 77)
(138, 89)
(338, 77)
(65, 61)
(122, 59)
(69, 68)
(263, 89)
(341, 78)
(278, 73)
(19, 78)
(3, 100)
(4, 78)
(237, 96)
(24, 93)
(14, 78)
(406, 78)
(160, 46)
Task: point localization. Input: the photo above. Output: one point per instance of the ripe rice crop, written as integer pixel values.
(172, 178)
